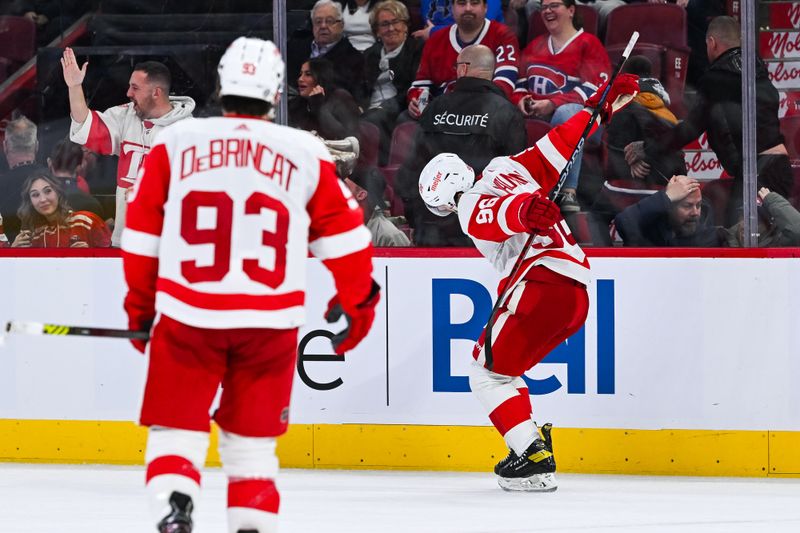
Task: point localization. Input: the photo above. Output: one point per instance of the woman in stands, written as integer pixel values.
(356, 15)
(390, 67)
(321, 106)
(48, 222)
(559, 70)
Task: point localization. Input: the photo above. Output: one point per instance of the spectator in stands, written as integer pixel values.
(778, 223)
(647, 117)
(603, 8)
(64, 164)
(357, 26)
(49, 222)
(437, 68)
(126, 130)
(438, 14)
(320, 105)
(475, 121)
(328, 41)
(560, 70)
(20, 146)
(390, 64)
(718, 112)
(368, 189)
(674, 216)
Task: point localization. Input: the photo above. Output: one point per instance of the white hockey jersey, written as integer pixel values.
(490, 211)
(119, 131)
(221, 222)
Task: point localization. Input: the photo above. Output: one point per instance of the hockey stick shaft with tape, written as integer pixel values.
(562, 178)
(39, 328)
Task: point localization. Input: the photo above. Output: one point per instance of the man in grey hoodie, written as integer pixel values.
(126, 130)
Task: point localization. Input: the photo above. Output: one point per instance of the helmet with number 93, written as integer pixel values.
(441, 180)
(252, 68)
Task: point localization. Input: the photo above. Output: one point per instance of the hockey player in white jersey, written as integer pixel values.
(547, 301)
(214, 250)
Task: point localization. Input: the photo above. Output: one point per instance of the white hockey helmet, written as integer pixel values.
(252, 68)
(442, 178)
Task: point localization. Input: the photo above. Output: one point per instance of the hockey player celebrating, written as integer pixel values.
(547, 300)
(214, 252)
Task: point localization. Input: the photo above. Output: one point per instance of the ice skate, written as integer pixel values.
(503, 462)
(534, 470)
(179, 520)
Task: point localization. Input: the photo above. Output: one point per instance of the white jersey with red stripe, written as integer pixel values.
(119, 131)
(220, 225)
(490, 211)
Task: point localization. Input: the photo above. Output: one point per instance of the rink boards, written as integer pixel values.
(686, 365)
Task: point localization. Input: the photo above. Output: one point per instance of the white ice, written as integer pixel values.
(62, 499)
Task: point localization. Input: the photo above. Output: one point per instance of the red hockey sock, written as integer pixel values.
(257, 494)
(172, 464)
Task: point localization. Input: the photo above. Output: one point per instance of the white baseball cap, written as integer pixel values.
(252, 68)
(442, 178)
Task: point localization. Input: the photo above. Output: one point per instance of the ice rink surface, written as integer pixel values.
(63, 499)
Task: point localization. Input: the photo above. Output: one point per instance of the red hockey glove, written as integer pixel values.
(359, 320)
(538, 214)
(625, 87)
(140, 344)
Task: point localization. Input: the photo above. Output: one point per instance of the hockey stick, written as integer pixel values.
(562, 178)
(38, 328)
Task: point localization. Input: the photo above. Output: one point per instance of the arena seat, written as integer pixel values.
(662, 39)
(402, 142)
(17, 39)
(368, 138)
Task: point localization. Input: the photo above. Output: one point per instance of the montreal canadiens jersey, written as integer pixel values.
(570, 75)
(437, 71)
(220, 225)
(490, 211)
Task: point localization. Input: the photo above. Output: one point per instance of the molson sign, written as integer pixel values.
(784, 15)
(701, 161)
(785, 75)
(780, 44)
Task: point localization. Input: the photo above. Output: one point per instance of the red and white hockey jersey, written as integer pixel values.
(221, 222)
(118, 131)
(490, 211)
(570, 75)
(437, 70)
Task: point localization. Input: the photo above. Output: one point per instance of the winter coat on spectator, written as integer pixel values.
(647, 119)
(403, 68)
(718, 111)
(779, 224)
(647, 223)
(332, 116)
(475, 121)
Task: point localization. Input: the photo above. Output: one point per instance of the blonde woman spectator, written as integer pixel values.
(391, 65)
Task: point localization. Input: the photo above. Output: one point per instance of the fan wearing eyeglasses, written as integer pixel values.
(390, 66)
(328, 41)
(559, 70)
